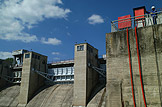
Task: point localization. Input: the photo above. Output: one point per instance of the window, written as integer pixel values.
(27, 55)
(64, 71)
(68, 77)
(80, 48)
(58, 78)
(69, 70)
(55, 71)
(72, 77)
(63, 78)
(59, 71)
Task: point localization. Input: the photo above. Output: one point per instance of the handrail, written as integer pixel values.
(135, 17)
(135, 21)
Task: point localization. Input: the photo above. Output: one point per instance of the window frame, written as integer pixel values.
(80, 48)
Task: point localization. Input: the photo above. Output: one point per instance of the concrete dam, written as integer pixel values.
(132, 77)
(54, 96)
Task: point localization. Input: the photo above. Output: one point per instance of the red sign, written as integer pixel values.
(124, 23)
(139, 12)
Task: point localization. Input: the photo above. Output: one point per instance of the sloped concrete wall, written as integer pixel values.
(119, 91)
(9, 96)
(54, 96)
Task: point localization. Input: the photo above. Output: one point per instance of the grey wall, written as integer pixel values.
(85, 78)
(118, 87)
(31, 81)
(4, 70)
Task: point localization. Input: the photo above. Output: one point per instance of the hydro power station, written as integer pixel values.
(130, 73)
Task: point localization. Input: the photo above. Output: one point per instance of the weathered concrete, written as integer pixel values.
(62, 96)
(98, 100)
(31, 81)
(85, 78)
(118, 87)
(4, 70)
(54, 96)
(9, 96)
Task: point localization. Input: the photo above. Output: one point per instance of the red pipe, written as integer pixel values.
(130, 66)
(139, 63)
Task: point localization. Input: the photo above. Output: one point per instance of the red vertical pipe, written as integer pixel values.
(130, 66)
(139, 63)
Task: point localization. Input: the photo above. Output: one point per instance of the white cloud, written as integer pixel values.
(69, 34)
(52, 41)
(95, 19)
(16, 15)
(5, 55)
(55, 53)
(56, 58)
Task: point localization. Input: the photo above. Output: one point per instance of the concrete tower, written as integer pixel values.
(31, 81)
(85, 77)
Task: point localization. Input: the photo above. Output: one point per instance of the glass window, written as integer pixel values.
(80, 48)
(58, 78)
(55, 71)
(72, 68)
(64, 71)
(72, 77)
(69, 70)
(50, 71)
(27, 55)
(63, 78)
(68, 77)
(59, 71)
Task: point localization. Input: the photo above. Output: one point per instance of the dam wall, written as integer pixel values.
(118, 88)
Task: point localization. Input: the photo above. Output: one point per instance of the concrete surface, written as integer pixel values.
(118, 89)
(85, 77)
(9, 96)
(54, 96)
(31, 81)
(4, 70)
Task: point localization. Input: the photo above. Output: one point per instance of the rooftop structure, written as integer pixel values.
(140, 19)
(18, 58)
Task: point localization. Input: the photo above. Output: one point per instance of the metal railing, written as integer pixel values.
(61, 61)
(101, 71)
(15, 80)
(50, 77)
(146, 20)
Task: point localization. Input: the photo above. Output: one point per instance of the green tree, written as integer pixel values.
(10, 60)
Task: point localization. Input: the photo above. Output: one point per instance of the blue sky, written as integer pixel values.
(52, 27)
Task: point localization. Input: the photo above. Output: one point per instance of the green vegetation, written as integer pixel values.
(9, 59)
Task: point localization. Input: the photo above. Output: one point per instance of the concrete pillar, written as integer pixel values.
(85, 78)
(31, 81)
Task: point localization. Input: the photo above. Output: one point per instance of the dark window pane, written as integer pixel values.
(80, 48)
(27, 55)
